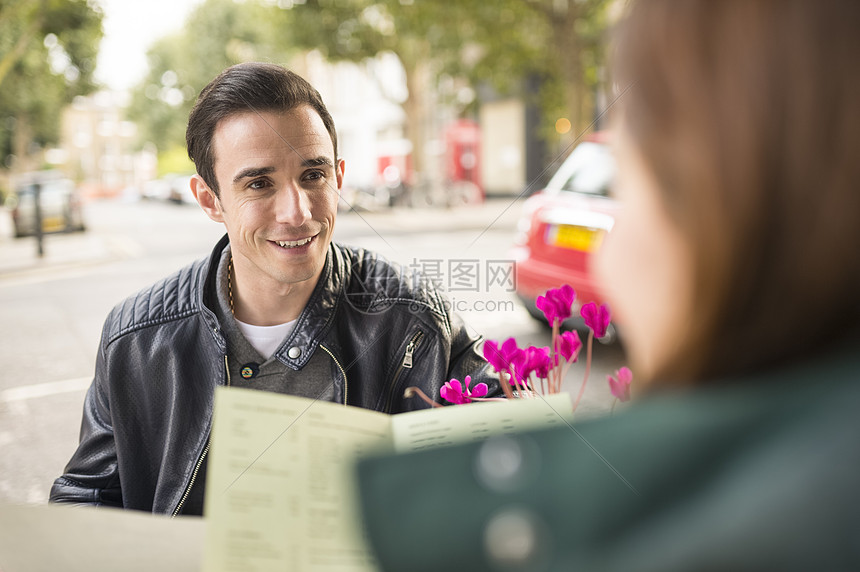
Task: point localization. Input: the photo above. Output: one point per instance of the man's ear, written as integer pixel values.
(339, 169)
(206, 198)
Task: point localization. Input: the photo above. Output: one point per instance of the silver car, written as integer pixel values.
(59, 200)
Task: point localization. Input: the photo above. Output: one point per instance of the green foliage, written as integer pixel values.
(218, 34)
(359, 29)
(48, 52)
(557, 42)
(500, 43)
(553, 43)
(174, 160)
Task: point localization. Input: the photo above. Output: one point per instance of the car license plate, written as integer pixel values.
(573, 237)
(53, 224)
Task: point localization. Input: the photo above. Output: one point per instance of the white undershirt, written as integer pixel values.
(266, 339)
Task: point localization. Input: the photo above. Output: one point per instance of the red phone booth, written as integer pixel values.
(462, 155)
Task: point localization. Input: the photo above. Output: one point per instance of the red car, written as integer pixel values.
(563, 225)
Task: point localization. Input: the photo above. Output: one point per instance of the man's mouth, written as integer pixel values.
(293, 243)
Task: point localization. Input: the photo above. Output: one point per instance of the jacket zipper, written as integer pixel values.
(405, 364)
(193, 478)
(202, 455)
(342, 372)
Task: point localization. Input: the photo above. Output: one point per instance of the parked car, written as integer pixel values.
(156, 190)
(363, 198)
(180, 190)
(562, 226)
(173, 187)
(59, 201)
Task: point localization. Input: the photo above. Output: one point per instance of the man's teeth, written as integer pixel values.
(294, 243)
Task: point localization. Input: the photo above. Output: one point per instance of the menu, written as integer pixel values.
(280, 484)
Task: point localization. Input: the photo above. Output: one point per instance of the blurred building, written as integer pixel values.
(365, 103)
(98, 146)
(514, 156)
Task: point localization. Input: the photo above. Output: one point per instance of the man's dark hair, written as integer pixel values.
(246, 87)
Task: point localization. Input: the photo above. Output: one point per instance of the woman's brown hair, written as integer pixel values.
(748, 114)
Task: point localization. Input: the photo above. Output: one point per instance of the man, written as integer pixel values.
(277, 306)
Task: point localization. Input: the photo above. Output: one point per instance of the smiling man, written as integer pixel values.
(277, 306)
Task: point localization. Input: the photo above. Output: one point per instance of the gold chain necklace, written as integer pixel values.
(251, 369)
(230, 285)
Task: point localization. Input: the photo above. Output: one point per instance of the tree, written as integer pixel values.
(425, 35)
(559, 42)
(48, 55)
(217, 34)
(501, 43)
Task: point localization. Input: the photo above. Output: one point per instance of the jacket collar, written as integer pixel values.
(314, 321)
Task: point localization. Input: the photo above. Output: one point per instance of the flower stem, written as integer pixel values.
(555, 382)
(587, 369)
(521, 388)
(413, 391)
(506, 385)
(564, 369)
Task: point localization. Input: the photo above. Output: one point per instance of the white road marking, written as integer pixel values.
(25, 392)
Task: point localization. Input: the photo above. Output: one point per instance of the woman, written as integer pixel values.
(734, 274)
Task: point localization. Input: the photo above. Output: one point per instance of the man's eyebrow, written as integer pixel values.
(321, 161)
(251, 172)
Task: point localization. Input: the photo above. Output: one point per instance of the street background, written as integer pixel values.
(433, 108)
(52, 309)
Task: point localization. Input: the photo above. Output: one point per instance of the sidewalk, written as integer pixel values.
(20, 255)
(64, 251)
(494, 214)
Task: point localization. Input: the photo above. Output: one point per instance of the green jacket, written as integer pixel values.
(758, 474)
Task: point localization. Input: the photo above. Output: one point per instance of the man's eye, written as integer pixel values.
(259, 184)
(314, 175)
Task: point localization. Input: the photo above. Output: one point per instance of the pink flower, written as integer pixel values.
(453, 391)
(556, 304)
(620, 387)
(596, 318)
(538, 361)
(569, 345)
(519, 359)
(500, 357)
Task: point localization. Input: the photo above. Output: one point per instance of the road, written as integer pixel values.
(52, 309)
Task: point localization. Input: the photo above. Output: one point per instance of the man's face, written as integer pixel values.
(279, 185)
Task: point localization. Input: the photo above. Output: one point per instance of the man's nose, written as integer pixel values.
(292, 205)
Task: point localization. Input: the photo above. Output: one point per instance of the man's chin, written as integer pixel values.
(301, 273)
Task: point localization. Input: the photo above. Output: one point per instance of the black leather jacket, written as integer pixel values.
(148, 413)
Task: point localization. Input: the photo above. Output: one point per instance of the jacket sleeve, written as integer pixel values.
(91, 477)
